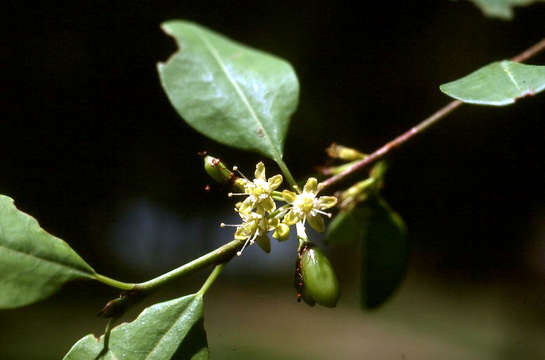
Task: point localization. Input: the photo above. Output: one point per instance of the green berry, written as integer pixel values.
(320, 283)
(306, 297)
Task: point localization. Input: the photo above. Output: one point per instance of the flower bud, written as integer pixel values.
(319, 282)
(217, 169)
(344, 153)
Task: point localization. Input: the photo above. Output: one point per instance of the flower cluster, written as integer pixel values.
(257, 210)
(260, 214)
(306, 206)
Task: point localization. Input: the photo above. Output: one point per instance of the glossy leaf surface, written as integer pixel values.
(502, 9)
(33, 263)
(168, 330)
(232, 93)
(499, 83)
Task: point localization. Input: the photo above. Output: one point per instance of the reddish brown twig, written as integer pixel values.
(401, 139)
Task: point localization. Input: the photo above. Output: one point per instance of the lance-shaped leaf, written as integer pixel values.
(499, 83)
(168, 330)
(229, 92)
(502, 9)
(33, 263)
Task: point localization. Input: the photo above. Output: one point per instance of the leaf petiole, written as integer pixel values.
(211, 278)
(287, 174)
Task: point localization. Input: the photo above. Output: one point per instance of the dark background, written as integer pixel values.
(87, 132)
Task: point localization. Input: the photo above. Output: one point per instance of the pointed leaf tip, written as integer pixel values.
(499, 83)
(33, 263)
(232, 93)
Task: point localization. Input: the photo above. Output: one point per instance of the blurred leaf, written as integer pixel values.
(168, 330)
(348, 227)
(384, 246)
(33, 263)
(502, 9)
(229, 92)
(498, 83)
(385, 255)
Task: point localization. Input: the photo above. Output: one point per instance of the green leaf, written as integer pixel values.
(234, 94)
(384, 246)
(498, 83)
(385, 254)
(33, 263)
(169, 330)
(502, 9)
(349, 226)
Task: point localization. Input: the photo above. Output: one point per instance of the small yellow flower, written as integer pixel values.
(281, 232)
(259, 191)
(306, 206)
(254, 228)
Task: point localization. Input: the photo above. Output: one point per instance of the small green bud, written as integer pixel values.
(217, 169)
(344, 153)
(358, 192)
(116, 307)
(378, 171)
(317, 280)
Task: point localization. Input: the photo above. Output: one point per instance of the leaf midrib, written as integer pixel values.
(60, 264)
(505, 67)
(169, 330)
(239, 91)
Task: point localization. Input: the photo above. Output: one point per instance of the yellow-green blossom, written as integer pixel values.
(281, 232)
(254, 228)
(306, 206)
(259, 191)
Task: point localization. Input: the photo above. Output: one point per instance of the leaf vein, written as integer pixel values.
(239, 91)
(504, 66)
(46, 260)
(167, 332)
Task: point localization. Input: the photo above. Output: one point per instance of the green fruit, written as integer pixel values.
(306, 297)
(320, 283)
(217, 170)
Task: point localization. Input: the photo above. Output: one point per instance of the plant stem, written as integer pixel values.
(385, 149)
(211, 278)
(114, 283)
(220, 255)
(401, 139)
(531, 51)
(106, 346)
(284, 168)
(107, 333)
(227, 251)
